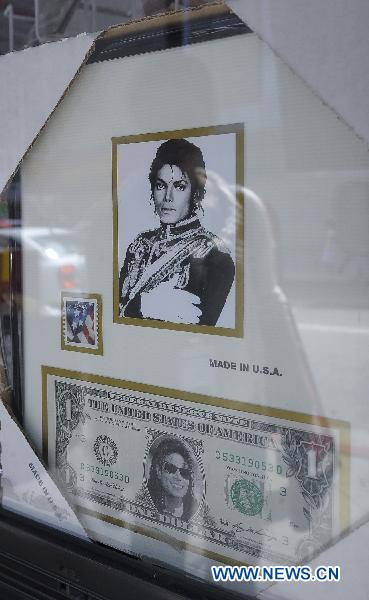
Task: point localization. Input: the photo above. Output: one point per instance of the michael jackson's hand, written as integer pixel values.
(167, 303)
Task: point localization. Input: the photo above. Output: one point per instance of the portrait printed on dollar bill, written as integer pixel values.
(173, 476)
(178, 230)
(81, 319)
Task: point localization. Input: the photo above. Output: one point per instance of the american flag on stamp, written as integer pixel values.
(80, 318)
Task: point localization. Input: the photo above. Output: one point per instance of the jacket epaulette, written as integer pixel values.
(216, 242)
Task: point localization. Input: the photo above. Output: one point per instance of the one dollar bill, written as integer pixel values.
(229, 483)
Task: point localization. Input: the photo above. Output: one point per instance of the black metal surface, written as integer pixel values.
(16, 325)
(189, 31)
(43, 564)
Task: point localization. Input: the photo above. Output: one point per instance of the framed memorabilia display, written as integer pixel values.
(181, 398)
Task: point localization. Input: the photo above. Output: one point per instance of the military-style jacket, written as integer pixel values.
(198, 259)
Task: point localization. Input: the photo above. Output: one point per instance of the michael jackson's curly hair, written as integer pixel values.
(187, 157)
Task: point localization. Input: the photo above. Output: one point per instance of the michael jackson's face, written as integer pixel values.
(174, 475)
(172, 194)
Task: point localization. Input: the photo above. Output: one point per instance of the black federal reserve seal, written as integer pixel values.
(106, 450)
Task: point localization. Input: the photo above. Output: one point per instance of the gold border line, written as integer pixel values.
(45, 416)
(239, 130)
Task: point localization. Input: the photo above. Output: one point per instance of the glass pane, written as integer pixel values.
(194, 316)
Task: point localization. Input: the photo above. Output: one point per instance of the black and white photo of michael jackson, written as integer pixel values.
(178, 272)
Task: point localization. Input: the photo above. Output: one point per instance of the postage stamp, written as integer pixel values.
(81, 318)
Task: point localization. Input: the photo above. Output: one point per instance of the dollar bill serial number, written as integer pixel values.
(109, 473)
(246, 461)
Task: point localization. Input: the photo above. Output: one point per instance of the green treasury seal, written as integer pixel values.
(246, 497)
